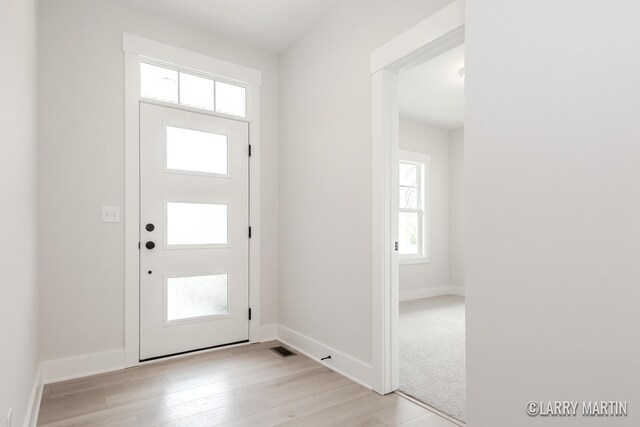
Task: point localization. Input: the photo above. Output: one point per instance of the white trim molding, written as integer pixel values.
(82, 366)
(31, 417)
(345, 365)
(109, 361)
(188, 59)
(385, 298)
(135, 49)
(97, 363)
(430, 292)
(437, 34)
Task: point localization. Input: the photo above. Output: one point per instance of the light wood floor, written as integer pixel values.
(242, 386)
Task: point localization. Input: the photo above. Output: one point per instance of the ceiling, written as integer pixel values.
(270, 25)
(433, 92)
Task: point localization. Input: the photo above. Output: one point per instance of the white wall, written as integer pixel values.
(82, 167)
(19, 213)
(552, 167)
(444, 274)
(325, 171)
(417, 279)
(456, 205)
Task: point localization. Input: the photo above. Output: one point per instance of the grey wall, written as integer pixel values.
(456, 205)
(19, 212)
(552, 209)
(82, 157)
(325, 171)
(445, 270)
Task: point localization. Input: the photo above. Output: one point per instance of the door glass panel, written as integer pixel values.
(196, 91)
(196, 224)
(230, 99)
(196, 151)
(197, 296)
(158, 83)
(408, 236)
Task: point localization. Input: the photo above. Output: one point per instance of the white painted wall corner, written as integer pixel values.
(269, 332)
(457, 290)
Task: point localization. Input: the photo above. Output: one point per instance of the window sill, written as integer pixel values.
(408, 261)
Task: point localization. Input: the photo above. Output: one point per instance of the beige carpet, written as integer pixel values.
(432, 367)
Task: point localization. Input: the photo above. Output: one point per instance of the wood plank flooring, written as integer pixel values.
(242, 386)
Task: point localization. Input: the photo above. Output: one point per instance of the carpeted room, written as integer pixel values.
(431, 333)
(432, 358)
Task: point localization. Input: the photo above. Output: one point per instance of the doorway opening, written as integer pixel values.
(431, 330)
(436, 35)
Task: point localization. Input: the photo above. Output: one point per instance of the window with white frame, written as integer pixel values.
(195, 91)
(413, 174)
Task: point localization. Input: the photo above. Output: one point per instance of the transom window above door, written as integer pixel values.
(413, 234)
(191, 90)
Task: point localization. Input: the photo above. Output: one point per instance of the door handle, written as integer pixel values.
(149, 245)
(150, 227)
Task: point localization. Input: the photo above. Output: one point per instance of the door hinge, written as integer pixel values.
(249, 313)
(249, 232)
(395, 246)
(249, 150)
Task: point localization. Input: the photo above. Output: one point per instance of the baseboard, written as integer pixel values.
(456, 290)
(31, 417)
(354, 369)
(92, 364)
(97, 363)
(431, 292)
(82, 366)
(269, 332)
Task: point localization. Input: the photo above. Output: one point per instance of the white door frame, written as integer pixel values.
(437, 34)
(135, 48)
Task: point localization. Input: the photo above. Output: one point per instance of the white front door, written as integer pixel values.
(194, 223)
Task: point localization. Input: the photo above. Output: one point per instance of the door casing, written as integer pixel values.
(135, 49)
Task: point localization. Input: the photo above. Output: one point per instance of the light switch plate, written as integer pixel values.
(111, 214)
